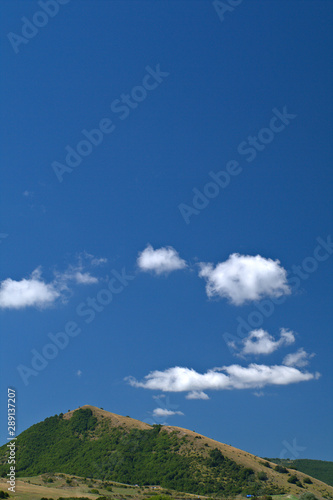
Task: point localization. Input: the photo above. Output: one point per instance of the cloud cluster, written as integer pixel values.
(242, 278)
(254, 376)
(261, 342)
(160, 261)
(34, 291)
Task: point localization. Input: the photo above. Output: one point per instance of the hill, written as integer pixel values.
(91, 442)
(320, 469)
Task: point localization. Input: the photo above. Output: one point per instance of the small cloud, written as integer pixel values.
(78, 273)
(244, 278)
(162, 260)
(261, 342)
(28, 194)
(197, 395)
(85, 278)
(299, 358)
(78, 373)
(162, 412)
(259, 394)
(98, 262)
(27, 292)
(94, 261)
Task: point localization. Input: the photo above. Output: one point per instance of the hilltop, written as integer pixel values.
(91, 442)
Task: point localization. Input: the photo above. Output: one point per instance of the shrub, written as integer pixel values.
(262, 476)
(308, 496)
(307, 480)
(292, 479)
(280, 469)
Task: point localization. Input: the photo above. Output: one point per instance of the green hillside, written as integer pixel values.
(319, 469)
(135, 457)
(92, 443)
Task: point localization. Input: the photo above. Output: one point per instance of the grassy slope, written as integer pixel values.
(34, 488)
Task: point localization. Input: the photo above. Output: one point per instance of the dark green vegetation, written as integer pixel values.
(87, 447)
(316, 468)
(308, 496)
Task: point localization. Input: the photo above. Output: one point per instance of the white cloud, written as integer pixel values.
(27, 292)
(162, 412)
(78, 373)
(244, 278)
(197, 395)
(259, 394)
(299, 358)
(261, 342)
(254, 376)
(36, 292)
(162, 260)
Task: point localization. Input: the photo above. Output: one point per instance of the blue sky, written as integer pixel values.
(166, 178)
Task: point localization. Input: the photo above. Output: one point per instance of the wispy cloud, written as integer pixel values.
(261, 342)
(299, 358)
(259, 394)
(78, 272)
(94, 261)
(254, 376)
(161, 261)
(244, 278)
